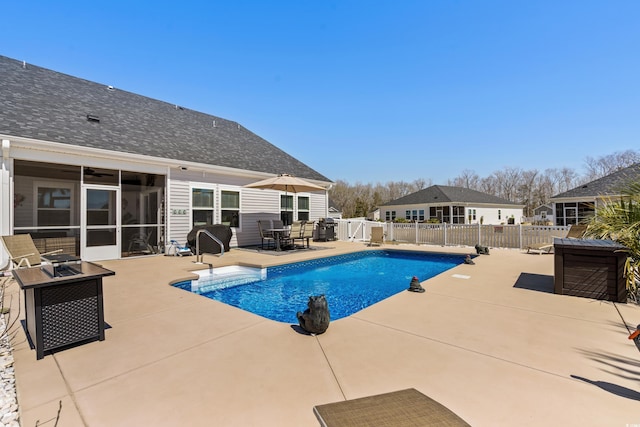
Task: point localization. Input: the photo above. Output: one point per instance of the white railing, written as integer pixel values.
(496, 236)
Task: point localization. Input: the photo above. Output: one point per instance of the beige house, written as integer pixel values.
(114, 174)
(453, 205)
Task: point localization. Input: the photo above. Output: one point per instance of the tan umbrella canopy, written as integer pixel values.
(287, 183)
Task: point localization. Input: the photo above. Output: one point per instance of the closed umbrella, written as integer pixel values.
(287, 183)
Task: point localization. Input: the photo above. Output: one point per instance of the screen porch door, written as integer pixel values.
(100, 237)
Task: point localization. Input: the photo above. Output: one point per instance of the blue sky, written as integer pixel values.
(368, 91)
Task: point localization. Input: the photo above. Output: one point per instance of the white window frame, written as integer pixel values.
(54, 184)
(298, 210)
(231, 189)
(203, 186)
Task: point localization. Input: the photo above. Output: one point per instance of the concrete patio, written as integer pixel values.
(494, 345)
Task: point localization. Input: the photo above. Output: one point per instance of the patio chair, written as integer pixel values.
(377, 236)
(22, 252)
(576, 231)
(301, 230)
(265, 235)
(540, 247)
(307, 232)
(399, 408)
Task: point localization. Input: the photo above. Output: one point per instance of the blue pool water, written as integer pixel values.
(349, 282)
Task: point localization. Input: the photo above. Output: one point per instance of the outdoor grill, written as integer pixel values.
(326, 229)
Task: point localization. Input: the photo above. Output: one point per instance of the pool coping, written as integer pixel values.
(493, 348)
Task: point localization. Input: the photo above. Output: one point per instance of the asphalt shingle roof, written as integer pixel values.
(46, 105)
(610, 185)
(446, 194)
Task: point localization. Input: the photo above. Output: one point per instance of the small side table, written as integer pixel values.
(64, 308)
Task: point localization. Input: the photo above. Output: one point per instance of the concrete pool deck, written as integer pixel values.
(491, 343)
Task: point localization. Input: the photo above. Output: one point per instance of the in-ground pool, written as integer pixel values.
(350, 282)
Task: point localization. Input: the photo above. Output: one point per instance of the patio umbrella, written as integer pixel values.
(287, 183)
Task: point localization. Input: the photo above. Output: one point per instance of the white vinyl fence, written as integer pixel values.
(495, 236)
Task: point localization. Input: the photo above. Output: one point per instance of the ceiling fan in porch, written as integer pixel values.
(91, 172)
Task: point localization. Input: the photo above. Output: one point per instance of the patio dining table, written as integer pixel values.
(278, 234)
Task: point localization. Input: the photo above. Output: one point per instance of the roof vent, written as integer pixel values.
(111, 88)
(584, 186)
(93, 118)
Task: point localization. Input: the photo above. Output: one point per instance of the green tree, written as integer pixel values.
(619, 220)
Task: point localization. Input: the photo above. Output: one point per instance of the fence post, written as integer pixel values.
(520, 236)
(416, 232)
(479, 234)
(445, 233)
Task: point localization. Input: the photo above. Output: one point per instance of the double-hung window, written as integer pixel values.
(303, 208)
(202, 204)
(230, 208)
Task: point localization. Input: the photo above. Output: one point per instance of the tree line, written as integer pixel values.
(528, 187)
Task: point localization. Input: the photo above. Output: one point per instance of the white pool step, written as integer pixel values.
(226, 277)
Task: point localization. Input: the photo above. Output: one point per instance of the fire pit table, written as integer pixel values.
(63, 302)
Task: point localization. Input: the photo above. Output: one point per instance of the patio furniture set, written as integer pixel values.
(275, 235)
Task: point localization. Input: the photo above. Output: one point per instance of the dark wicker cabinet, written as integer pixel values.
(590, 269)
(60, 311)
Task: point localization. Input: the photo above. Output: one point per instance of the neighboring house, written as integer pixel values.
(578, 204)
(374, 215)
(453, 205)
(334, 213)
(119, 174)
(543, 214)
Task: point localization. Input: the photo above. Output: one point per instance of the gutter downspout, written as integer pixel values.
(6, 196)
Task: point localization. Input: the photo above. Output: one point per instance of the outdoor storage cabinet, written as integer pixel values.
(590, 268)
(62, 310)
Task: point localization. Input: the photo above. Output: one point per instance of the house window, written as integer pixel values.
(202, 206)
(499, 214)
(573, 213)
(303, 208)
(230, 208)
(54, 206)
(407, 215)
(472, 215)
(421, 215)
(286, 209)
(458, 215)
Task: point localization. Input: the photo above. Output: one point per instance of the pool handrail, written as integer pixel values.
(199, 256)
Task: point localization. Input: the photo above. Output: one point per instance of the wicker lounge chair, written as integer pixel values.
(377, 236)
(576, 231)
(397, 409)
(22, 251)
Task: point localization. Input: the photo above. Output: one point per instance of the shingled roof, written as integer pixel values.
(446, 194)
(610, 185)
(49, 106)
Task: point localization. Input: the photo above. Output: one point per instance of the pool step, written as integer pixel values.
(226, 277)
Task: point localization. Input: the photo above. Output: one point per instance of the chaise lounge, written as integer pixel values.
(576, 231)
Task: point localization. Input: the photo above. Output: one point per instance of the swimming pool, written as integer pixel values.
(350, 282)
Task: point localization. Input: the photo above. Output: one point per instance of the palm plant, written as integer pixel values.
(619, 220)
